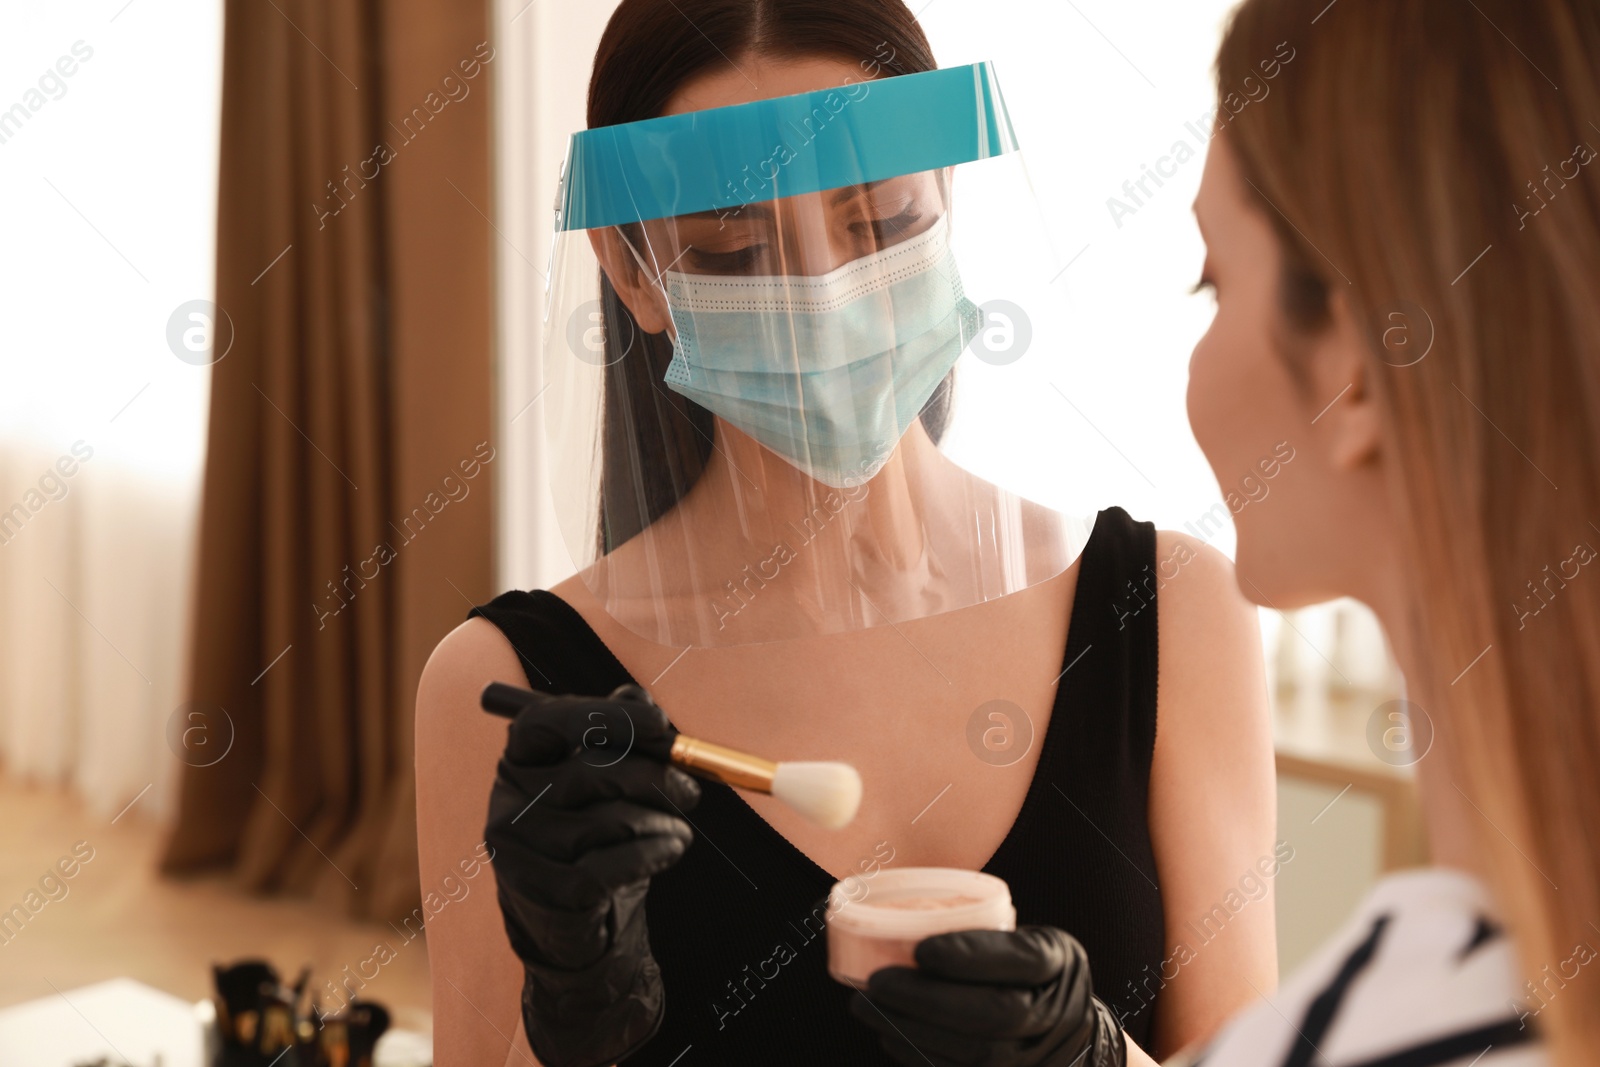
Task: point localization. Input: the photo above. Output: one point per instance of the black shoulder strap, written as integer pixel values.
(1114, 631)
(560, 652)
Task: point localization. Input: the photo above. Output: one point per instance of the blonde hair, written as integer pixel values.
(1435, 163)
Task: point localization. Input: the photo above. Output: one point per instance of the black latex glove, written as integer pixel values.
(994, 998)
(584, 810)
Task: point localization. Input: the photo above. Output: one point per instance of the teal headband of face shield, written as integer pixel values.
(724, 158)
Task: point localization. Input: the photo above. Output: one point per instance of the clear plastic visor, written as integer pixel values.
(745, 403)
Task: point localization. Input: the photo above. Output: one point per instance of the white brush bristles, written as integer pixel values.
(826, 793)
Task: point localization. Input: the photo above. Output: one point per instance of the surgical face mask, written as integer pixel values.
(827, 371)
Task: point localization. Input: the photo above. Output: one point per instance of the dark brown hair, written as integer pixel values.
(1440, 158)
(655, 443)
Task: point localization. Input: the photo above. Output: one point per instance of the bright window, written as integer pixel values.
(108, 170)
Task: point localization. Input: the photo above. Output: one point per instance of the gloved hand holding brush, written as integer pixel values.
(580, 819)
(586, 808)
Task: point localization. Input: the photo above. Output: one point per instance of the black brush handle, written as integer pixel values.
(508, 701)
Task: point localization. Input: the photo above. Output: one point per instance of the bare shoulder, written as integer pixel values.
(1212, 687)
(458, 746)
(1212, 809)
(1201, 605)
(453, 733)
(474, 653)
(1212, 572)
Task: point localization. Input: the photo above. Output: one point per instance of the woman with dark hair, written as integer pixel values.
(756, 317)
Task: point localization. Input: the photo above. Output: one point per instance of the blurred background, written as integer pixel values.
(274, 284)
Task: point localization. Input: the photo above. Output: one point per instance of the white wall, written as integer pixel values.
(546, 49)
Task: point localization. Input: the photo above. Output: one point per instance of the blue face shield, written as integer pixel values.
(756, 328)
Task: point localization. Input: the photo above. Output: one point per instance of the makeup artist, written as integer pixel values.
(761, 290)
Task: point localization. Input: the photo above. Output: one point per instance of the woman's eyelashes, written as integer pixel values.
(888, 230)
(868, 234)
(736, 261)
(1206, 284)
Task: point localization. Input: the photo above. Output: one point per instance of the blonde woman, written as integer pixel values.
(1404, 244)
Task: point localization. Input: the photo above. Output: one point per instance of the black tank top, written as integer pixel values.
(746, 975)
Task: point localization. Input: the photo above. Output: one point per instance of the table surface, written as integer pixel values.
(126, 1021)
(121, 1019)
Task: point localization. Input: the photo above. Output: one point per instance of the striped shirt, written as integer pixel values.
(1421, 976)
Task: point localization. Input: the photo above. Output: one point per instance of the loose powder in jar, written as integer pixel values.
(877, 922)
(930, 903)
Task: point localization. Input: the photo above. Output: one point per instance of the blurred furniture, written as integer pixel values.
(1350, 815)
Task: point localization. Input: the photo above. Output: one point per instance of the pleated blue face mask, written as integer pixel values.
(827, 371)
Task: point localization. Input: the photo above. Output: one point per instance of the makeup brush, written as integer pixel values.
(826, 793)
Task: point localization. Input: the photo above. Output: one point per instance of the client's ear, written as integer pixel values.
(1351, 427)
(638, 290)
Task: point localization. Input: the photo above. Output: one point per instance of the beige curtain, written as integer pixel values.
(346, 521)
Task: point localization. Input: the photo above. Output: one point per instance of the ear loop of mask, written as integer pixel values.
(645, 270)
(637, 258)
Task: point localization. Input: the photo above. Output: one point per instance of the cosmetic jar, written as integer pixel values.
(877, 921)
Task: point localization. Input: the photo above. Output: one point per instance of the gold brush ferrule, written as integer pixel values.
(726, 765)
